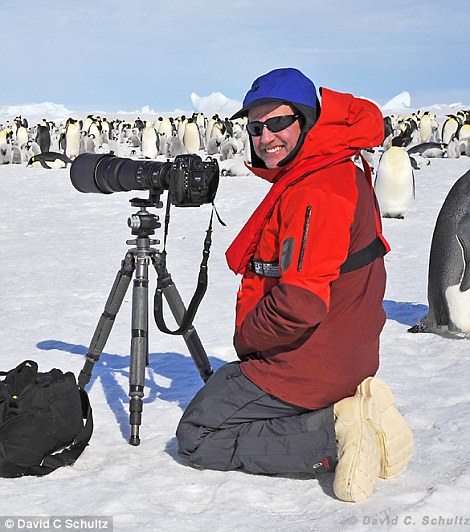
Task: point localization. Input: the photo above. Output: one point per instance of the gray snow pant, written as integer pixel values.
(232, 424)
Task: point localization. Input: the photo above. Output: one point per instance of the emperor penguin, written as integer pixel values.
(463, 132)
(90, 144)
(213, 145)
(105, 131)
(94, 133)
(228, 148)
(181, 126)
(166, 127)
(191, 139)
(31, 148)
(21, 136)
(175, 146)
(49, 160)
(210, 125)
(149, 144)
(6, 136)
(449, 265)
(425, 128)
(201, 121)
(87, 123)
(394, 183)
(430, 150)
(5, 153)
(16, 155)
(218, 129)
(43, 137)
(449, 129)
(72, 139)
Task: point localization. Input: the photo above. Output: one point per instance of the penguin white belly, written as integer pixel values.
(459, 305)
(425, 129)
(449, 129)
(464, 132)
(149, 142)
(191, 139)
(72, 140)
(22, 136)
(394, 184)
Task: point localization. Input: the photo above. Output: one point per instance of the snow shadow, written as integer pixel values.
(170, 377)
(404, 312)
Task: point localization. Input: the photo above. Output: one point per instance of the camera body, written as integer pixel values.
(190, 181)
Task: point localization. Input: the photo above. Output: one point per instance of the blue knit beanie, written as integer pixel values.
(286, 85)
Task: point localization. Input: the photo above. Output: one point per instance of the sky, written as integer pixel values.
(116, 55)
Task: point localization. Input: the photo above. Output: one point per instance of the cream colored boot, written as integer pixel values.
(394, 437)
(358, 453)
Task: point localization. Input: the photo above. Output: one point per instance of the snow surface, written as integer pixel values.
(61, 251)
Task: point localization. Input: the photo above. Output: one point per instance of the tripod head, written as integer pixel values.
(144, 223)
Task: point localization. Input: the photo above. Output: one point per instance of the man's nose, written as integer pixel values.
(266, 135)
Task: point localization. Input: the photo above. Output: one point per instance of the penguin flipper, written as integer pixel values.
(463, 234)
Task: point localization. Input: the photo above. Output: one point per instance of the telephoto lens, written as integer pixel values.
(105, 174)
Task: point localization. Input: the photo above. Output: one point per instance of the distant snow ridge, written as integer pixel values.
(401, 101)
(215, 103)
(45, 109)
(145, 110)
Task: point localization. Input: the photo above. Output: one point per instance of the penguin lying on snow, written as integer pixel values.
(449, 265)
(49, 160)
(429, 149)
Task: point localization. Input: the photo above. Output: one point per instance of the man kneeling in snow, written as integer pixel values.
(309, 312)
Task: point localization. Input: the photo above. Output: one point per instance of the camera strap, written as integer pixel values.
(164, 279)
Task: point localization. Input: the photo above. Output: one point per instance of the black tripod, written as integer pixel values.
(137, 259)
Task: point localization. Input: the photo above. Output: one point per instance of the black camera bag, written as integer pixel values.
(41, 414)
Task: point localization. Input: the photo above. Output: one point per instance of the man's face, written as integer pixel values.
(273, 147)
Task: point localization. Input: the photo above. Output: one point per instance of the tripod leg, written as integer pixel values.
(106, 321)
(139, 347)
(178, 309)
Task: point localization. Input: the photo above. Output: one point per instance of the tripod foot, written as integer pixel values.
(135, 408)
(134, 440)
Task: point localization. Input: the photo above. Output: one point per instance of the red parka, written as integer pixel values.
(311, 336)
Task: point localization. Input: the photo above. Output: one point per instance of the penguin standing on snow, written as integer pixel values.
(394, 183)
(449, 265)
(449, 128)
(191, 138)
(72, 139)
(43, 137)
(149, 142)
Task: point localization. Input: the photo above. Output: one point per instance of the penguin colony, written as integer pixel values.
(49, 144)
(420, 135)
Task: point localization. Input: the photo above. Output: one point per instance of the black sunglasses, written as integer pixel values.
(275, 124)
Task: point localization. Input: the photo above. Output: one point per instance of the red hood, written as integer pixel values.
(345, 122)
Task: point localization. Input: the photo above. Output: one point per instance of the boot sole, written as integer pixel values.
(394, 437)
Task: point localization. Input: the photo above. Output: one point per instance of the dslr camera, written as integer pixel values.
(190, 181)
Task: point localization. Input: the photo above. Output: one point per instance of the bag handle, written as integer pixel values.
(18, 378)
